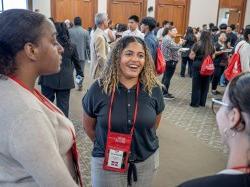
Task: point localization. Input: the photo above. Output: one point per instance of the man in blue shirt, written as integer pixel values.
(147, 26)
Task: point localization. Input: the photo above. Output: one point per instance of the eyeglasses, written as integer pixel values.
(217, 103)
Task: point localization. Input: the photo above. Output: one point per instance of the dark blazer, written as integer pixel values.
(64, 79)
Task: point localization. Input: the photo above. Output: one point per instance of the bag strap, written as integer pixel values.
(240, 47)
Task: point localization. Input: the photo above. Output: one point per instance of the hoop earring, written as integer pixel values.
(229, 133)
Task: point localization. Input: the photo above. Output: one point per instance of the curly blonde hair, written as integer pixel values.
(109, 78)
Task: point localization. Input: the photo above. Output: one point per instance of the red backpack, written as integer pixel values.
(234, 66)
(160, 62)
(207, 67)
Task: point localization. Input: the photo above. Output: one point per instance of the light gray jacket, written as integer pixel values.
(80, 37)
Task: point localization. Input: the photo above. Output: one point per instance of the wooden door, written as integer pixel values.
(234, 18)
(237, 10)
(173, 10)
(120, 10)
(68, 9)
(86, 10)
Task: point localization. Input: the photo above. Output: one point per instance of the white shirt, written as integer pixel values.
(133, 33)
(244, 55)
(159, 33)
(230, 172)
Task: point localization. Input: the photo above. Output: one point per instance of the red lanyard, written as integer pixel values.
(135, 112)
(53, 108)
(246, 168)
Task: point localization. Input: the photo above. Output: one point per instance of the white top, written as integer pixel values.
(159, 33)
(133, 33)
(230, 172)
(35, 142)
(244, 55)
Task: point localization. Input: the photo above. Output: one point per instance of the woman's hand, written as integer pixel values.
(192, 55)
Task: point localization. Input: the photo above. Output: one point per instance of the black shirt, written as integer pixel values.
(220, 57)
(220, 180)
(145, 141)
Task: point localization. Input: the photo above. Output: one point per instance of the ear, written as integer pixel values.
(234, 118)
(31, 51)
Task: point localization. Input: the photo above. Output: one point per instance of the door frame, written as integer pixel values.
(53, 9)
(187, 9)
(243, 12)
(144, 8)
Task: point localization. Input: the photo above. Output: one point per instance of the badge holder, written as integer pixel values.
(117, 152)
(118, 145)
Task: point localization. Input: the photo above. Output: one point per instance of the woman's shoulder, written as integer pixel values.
(219, 180)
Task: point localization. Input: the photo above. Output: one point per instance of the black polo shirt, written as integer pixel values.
(145, 141)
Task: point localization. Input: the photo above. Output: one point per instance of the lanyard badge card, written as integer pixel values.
(118, 144)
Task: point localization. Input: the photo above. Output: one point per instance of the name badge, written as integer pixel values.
(115, 158)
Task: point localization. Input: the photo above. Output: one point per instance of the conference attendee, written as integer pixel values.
(80, 37)
(126, 104)
(200, 84)
(165, 24)
(58, 85)
(133, 27)
(220, 61)
(170, 51)
(99, 46)
(244, 50)
(189, 40)
(37, 142)
(147, 26)
(233, 119)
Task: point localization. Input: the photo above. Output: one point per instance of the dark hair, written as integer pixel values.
(204, 25)
(205, 43)
(189, 35)
(171, 23)
(211, 25)
(135, 18)
(214, 29)
(165, 22)
(233, 27)
(150, 22)
(110, 75)
(167, 29)
(223, 26)
(62, 34)
(78, 21)
(238, 93)
(18, 27)
(122, 28)
(246, 32)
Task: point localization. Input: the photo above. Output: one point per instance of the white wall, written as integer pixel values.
(203, 12)
(151, 3)
(43, 7)
(102, 6)
(247, 14)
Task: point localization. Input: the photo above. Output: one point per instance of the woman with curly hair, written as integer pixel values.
(122, 111)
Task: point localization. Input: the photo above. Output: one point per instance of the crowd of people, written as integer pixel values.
(123, 105)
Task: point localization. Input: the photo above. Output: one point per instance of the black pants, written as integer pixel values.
(200, 87)
(168, 74)
(184, 62)
(62, 98)
(218, 71)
